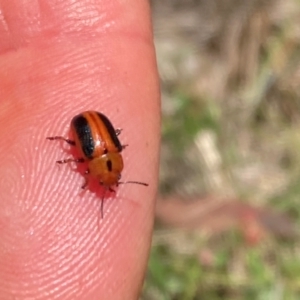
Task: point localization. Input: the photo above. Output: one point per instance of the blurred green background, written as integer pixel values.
(228, 208)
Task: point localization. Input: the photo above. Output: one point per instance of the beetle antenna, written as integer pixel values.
(102, 202)
(101, 207)
(135, 182)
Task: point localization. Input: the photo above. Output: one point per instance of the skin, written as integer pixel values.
(57, 59)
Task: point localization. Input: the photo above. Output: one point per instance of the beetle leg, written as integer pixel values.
(52, 138)
(107, 188)
(65, 161)
(86, 180)
(118, 131)
(124, 146)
